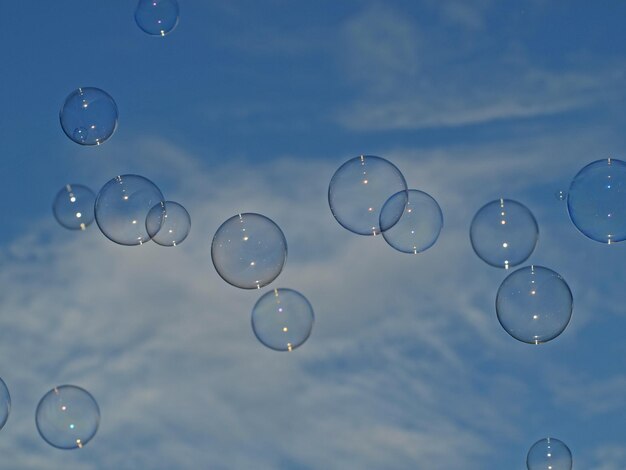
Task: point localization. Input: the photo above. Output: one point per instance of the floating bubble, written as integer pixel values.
(67, 417)
(534, 304)
(5, 403)
(282, 319)
(560, 195)
(359, 189)
(420, 224)
(249, 251)
(596, 201)
(168, 224)
(549, 454)
(73, 206)
(122, 206)
(157, 17)
(504, 233)
(89, 116)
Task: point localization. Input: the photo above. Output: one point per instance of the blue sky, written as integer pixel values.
(250, 107)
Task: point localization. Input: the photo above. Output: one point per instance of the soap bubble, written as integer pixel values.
(157, 17)
(249, 251)
(420, 224)
(89, 116)
(282, 319)
(549, 454)
(67, 417)
(168, 223)
(597, 201)
(122, 207)
(504, 233)
(359, 189)
(534, 304)
(73, 206)
(5, 403)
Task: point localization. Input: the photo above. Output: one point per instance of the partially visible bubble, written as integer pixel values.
(157, 17)
(89, 116)
(73, 206)
(560, 195)
(549, 454)
(5, 403)
(168, 223)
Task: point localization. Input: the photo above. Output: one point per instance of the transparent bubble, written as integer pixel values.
(560, 195)
(359, 189)
(282, 319)
(67, 417)
(534, 304)
(420, 224)
(157, 17)
(73, 206)
(5, 403)
(89, 116)
(168, 224)
(122, 206)
(249, 251)
(597, 200)
(549, 454)
(504, 233)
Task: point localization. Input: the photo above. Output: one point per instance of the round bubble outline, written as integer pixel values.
(80, 90)
(548, 439)
(64, 190)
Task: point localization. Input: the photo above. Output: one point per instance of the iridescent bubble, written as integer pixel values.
(67, 417)
(249, 251)
(549, 454)
(73, 206)
(157, 17)
(418, 227)
(122, 206)
(504, 233)
(597, 201)
(89, 116)
(5, 403)
(534, 304)
(282, 319)
(359, 189)
(168, 223)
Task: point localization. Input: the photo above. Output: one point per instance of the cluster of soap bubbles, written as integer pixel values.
(368, 195)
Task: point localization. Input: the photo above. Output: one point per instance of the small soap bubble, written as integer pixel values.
(67, 417)
(549, 454)
(534, 304)
(122, 207)
(418, 227)
(168, 224)
(157, 17)
(73, 206)
(5, 403)
(89, 116)
(282, 319)
(359, 189)
(596, 201)
(560, 195)
(504, 233)
(249, 251)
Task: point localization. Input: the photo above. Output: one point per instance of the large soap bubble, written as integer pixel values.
(249, 251)
(359, 189)
(89, 116)
(418, 227)
(73, 206)
(534, 304)
(168, 224)
(282, 319)
(157, 17)
(504, 233)
(549, 454)
(122, 207)
(5, 403)
(67, 417)
(596, 200)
